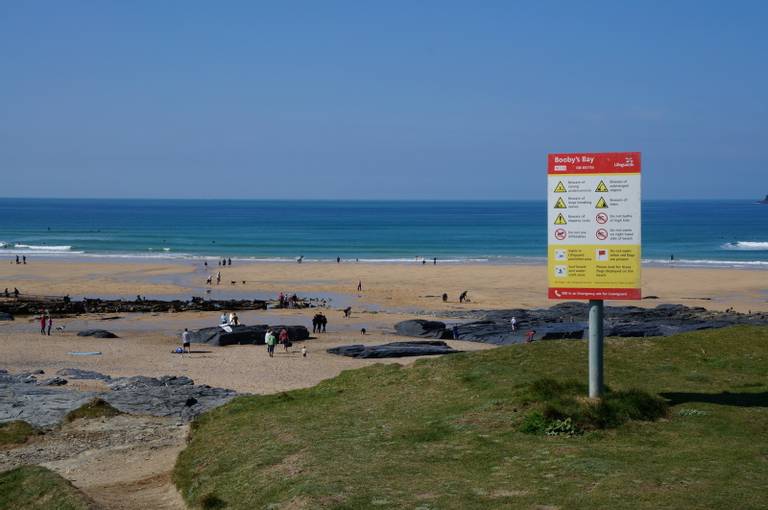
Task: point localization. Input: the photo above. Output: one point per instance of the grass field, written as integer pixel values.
(14, 433)
(37, 488)
(464, 432)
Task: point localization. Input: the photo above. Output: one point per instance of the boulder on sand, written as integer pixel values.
(97, 333)
(394, 349)
(243, 335)
(423, 329)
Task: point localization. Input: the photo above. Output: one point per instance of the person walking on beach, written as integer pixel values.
(463, 296)
(348, 312)
(24, 258)
(270, 340)
(43, 322)
(17, 260)
(229, 261)
(323, 322)
(7, 294)
(359, 285)
(50, 325)
(16, 293)
(315, 323)
(223, 318)
(434, 261)
(513, 323)
(185, 342)
(234, 320)
(284, 339)
(218, 277)
(338, 260)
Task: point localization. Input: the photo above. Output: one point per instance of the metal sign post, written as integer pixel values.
(593, 231)
(595, 348)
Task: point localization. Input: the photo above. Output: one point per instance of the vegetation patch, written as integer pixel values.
(16, 432)
(37, 488)
(510, 427)
(96, 408)
(560, 408)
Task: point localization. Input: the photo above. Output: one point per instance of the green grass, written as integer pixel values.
(37, 488)
(503, 428)
(96, 408)
(14, 433)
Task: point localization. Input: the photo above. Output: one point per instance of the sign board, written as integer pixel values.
(593, 225)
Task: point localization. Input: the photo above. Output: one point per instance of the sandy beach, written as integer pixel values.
(392, 287)
(390, 293)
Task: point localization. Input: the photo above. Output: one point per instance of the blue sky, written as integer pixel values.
(377, 99)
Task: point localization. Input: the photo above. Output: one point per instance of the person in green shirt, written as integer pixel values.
(270, 340)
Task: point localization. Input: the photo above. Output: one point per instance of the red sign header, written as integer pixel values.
(594, 163)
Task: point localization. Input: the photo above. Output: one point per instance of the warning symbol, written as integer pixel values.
(561, 234)
(560, 188)
(601, 204)
(601, 188)
(560, 220)
(560, 204)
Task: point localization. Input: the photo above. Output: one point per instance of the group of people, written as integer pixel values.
(209, 280)
(15, 292)
(22, 260)
(46, 323)
(319, 321)
(282, 338)
(230, 319)
(286, 301)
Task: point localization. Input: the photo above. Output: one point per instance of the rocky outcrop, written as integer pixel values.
(244, 335)
(569, 321)
(394, 350)
(22, 397)
(423, 329)
(5, 316)
(59, 306)
(97, 333)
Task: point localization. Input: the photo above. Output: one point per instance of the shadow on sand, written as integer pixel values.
(724, 399)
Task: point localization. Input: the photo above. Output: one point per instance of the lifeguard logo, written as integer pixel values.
(560, 168)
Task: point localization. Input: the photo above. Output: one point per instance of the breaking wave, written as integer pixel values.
(746, 245)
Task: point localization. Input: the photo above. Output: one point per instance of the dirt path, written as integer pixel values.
(122, 463)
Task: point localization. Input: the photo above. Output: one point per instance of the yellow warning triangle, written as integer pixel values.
(560, 204)
(560, 220)
(601, 188)
(601, 204)
(560, 188)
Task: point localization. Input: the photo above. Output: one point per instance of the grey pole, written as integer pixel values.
(595, 348)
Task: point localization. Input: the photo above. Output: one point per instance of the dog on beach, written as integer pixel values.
(61, 328)
(363, 331)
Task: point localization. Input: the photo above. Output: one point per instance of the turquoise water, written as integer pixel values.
(705, 233)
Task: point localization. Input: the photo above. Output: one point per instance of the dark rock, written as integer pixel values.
(76, 373)
(97, 333)
(423, 329)
(394, 349)
(568, 320)
(53, 381)
(244, 335)
(42, 406)
(4, 316)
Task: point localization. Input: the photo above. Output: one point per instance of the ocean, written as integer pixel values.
(724, 233)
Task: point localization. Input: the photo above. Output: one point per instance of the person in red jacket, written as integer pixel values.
(284, 339)
(43, 323)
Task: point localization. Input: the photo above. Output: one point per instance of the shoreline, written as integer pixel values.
(386, 287)
(490, 260)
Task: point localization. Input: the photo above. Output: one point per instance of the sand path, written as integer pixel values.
(123, 463)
